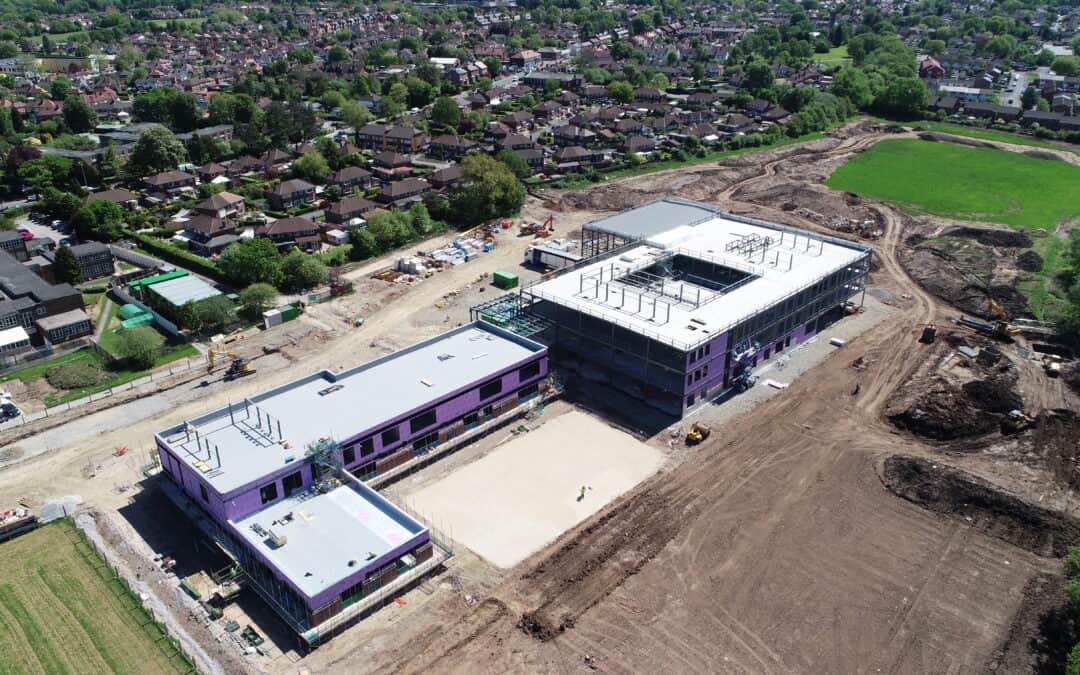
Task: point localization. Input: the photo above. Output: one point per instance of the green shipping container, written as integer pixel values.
(288, 312)
(129, 310)
(504, 280)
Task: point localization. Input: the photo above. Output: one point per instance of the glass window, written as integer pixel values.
(528, 372)
(293, 482)
(390, 436)
(422, 421)
(202, 492)
(367, 447)
(268, 493)
(348, 456)
(490, 389)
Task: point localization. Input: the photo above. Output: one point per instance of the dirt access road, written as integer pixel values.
(773, 548)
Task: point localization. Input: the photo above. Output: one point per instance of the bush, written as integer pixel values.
(75, 375)
(170, 253)
(140, 346)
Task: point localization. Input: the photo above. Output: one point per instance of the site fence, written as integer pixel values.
(139, 611)
(163, 373)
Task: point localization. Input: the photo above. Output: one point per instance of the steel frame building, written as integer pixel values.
(676, 302)
(280, 475)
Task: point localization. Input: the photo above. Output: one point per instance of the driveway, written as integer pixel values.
(42, 228)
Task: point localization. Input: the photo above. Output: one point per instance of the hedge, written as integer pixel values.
(178, 256)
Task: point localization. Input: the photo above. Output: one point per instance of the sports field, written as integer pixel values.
(962, 182)
(63, 611)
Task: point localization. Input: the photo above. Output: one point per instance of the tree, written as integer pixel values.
(337, 54)
(184, 112)
(621, 91)
(156, 150)
(301, 271)
(60, 88)
(1066, 65)
(1029, 98)
(515, 162)
(355, 114)
(99, 220)
(257, 298)
(759, 76)
(854, 85)
(489, 190)
(78, 115)
(313, 166)
(363, 244)
(903, 98)
(140, 346)
(108, 164)
(389, 108)
(252, 261)
(214, 312)
(301, 55)
(445, 112)
(66, 266)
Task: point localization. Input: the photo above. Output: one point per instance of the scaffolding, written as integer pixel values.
(508, 311)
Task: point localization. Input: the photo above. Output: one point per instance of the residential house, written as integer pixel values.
(403, 192)
(171, 182)
(735, 123)
(128, 200)
(775, 115)
(211, 170)
(700, 100)
(515, 142)
(576, 157)
(406, 140)
(446, 178)
(534, 158)
(649, 95)
(390, 165)
(276, 161)
(570, 134)
(350, 177)
(371, 136)
(291, 194)
(639, 144)
(992, 111)
(629, 127)
(931, 69)
(222, 205)
(288, 232)
(349, 210)
(446, 146)
(243, 165)
(208, 234)
(525, 59)
(518, 121)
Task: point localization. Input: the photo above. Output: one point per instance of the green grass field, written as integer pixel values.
(993, 135)
(62, 610)
(957, 181)
(837, 56)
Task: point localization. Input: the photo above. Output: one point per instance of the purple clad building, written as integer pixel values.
(675, 303)
(281, 474)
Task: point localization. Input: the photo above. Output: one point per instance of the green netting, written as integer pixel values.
(129, 310)
(144, 319)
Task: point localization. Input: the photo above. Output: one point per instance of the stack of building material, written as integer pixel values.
(412, 265)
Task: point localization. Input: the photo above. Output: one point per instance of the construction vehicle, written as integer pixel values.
(697, 434)
(539, 229)
(929, 334)
(1001, 330)
(1016, 421)
(238, 366)
(8, 409)
(1052, 365)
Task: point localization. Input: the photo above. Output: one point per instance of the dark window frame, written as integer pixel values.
(395, 431)
(348, 456)
(367, 447)
(423, 420)
(296, 477)
(497, 383)
(529, 371)
(270, 488)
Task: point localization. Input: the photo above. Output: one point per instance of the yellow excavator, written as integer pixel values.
(1002, 327)
(238, 366)
(697, 434)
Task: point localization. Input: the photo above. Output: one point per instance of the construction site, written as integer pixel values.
(743, 423)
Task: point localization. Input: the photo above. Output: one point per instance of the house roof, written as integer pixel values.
(350, 205)
(167, 177)
(287, 226)
(288, 187)
(349, 173)
(115, 196)
(403, 187)
(221, 200)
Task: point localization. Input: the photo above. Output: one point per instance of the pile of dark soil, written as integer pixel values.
(944, 412)
(1029, 261)
(1042, 632)
(982, 505)
(1057, 438)
(1011, 300)
(1006, 238)
(993, 395)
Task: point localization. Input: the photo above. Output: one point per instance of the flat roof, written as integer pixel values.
(244, 447)
(653, 218)
(68, 318)
(13, 336)
(794, 260)
(325, 532)
(177, 292)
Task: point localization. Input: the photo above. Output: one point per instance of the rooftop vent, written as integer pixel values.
(445, 357)
(331, 389)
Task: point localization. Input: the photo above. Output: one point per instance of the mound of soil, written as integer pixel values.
(1007, 238)
(1029, 261)
(1057, 437)
(944, 412)
(981, 504)
(1011, 300)
(1042, 632)
(995, 395)
(1042, 154)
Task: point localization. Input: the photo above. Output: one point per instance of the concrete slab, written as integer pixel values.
(514, 501)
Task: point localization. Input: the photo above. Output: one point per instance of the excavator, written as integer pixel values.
(238, 366)
(539, 229)
(1016, 421)
(1000, 329)
(697, 434)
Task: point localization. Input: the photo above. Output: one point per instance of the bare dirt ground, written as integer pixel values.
(776, 546)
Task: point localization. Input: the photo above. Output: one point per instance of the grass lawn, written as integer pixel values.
(63, 611)
(992, 135)
(834, 57)
(577, 182)
(957, 181)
